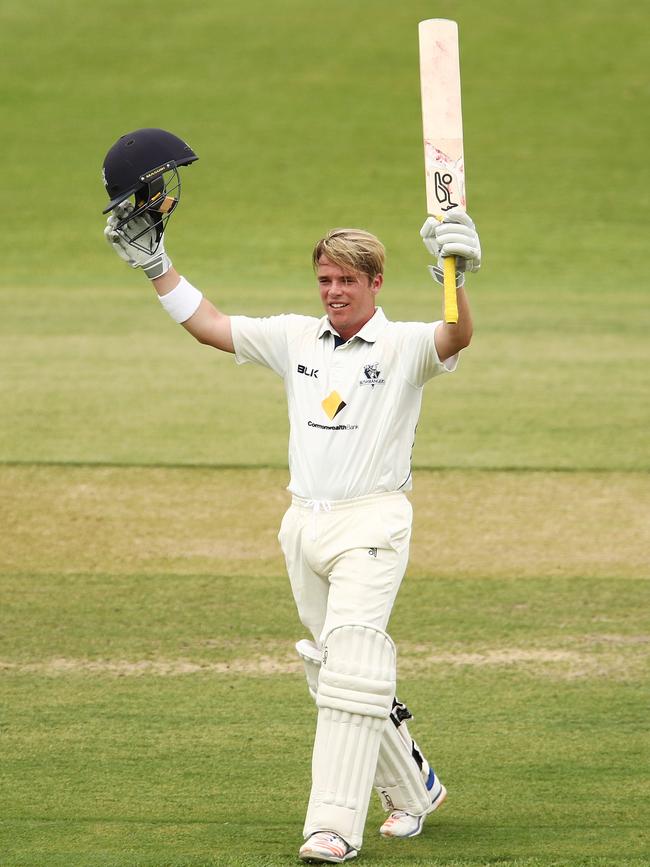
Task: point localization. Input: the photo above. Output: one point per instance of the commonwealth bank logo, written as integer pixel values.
(333, 404)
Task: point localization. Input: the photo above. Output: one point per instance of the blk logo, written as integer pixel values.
(307, 371)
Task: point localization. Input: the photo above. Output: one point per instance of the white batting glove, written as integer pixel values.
(455, 236)
(154, 263)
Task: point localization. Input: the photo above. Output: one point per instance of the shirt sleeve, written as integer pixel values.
(261, 341)
(418, 355)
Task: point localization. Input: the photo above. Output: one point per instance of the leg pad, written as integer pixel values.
(404, 780)
(356, 686)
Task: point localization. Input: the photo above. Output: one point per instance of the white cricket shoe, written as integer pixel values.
(403, 824)
(325, 847)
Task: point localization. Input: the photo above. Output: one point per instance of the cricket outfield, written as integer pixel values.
(152, 711)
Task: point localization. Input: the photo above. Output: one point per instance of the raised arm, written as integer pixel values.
(207, 324)
(456, 236)
(184, 303)
(452, 337)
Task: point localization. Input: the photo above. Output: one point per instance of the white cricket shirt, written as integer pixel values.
(353, 409)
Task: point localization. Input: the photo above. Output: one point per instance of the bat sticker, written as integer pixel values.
(443, 183)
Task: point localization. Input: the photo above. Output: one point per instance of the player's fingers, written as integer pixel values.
(110, 234)
(113, 236)
(137, 224)
(458, 215)
(428, 230)
(123, 209)
(141, 223)
(118, 246)
(462, 250)
(431, 246)
(454, 234)
(467, 258)
(428, 235)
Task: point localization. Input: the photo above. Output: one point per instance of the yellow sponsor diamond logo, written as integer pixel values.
(333, 404)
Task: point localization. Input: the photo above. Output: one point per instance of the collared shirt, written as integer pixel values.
(353, 410)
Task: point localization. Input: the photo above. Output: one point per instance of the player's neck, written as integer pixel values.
(348, 332)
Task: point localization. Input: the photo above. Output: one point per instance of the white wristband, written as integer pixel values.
(182, 301)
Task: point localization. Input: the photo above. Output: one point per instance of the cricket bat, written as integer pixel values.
(442, 127)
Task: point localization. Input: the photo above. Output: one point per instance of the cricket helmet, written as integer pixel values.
(143, 166)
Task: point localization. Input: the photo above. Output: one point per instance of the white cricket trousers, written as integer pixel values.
(346, 558)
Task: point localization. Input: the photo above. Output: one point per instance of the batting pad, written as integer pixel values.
(402, 772)
(311, 658)
(356, 686)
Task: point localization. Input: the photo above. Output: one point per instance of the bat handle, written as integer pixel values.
(451, 302)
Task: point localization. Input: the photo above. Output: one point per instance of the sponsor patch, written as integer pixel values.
(333, 404)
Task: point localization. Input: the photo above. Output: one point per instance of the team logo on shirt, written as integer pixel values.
(372, 374)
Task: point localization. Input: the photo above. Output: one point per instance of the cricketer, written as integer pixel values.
(354, 382)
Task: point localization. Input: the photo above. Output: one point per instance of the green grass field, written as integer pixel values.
(152, 712)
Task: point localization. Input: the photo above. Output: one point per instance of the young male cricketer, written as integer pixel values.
(354, 385)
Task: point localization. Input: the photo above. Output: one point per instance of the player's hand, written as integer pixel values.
(455, 236)
(153, 260)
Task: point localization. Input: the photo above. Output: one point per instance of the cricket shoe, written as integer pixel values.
(325, 847)
(403, 824)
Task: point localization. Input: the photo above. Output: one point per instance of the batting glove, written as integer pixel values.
(455, 236)
(154, 263)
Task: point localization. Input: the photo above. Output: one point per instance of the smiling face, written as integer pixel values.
(348, 296)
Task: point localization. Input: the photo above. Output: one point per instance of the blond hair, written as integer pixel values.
(354, 249)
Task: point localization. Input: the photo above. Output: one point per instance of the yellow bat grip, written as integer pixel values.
(451, 302)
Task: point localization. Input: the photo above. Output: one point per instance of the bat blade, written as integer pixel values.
(442, 128)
